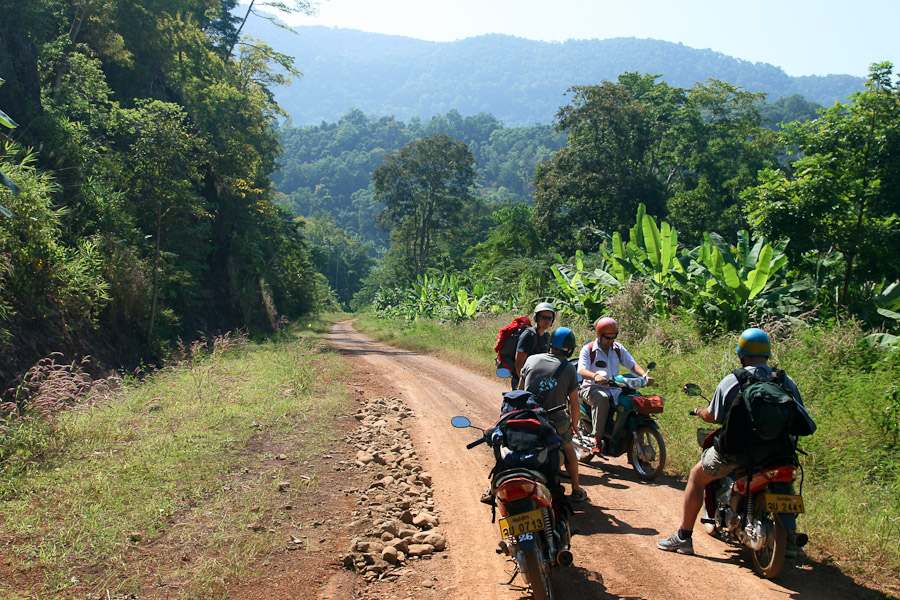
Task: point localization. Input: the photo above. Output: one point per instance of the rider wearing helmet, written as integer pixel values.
(598, 362)
(552, 379)
(534, 340)
(753, 350)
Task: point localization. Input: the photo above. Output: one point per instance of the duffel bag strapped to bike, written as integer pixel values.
(518, 400)
(648, 405)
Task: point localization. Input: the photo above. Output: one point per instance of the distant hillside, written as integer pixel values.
(519, 81)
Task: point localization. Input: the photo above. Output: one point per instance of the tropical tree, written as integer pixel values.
(843, 193)
(425, 188)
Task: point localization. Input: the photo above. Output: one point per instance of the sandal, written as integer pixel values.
(578, 495)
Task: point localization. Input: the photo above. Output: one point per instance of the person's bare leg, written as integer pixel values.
(693, 496)
(571, 464)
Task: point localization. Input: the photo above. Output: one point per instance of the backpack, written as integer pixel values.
(761, 420)
(525, 439)
(508, 339)
(616, 347)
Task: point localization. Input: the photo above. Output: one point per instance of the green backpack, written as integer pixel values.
(761, 419)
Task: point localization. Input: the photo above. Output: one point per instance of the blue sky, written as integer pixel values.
(802, 37)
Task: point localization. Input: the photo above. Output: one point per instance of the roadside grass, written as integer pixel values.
(170, 480)
(851, 468)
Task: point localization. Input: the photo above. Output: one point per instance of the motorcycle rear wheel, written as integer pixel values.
(768, 560)
(537, 571)
(647, 453)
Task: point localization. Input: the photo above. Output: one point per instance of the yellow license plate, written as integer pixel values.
(784, 503)
(514, 525)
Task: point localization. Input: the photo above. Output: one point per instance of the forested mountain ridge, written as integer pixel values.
(521, 82)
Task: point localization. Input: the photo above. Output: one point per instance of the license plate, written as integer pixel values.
(784, 503)
(514, 525)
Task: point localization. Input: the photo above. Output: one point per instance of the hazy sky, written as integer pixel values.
(803, 37)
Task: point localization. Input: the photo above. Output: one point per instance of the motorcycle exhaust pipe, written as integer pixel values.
(801, 539)
(564, 558)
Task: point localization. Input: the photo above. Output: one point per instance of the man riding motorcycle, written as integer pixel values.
(595, 390)
(753, 350)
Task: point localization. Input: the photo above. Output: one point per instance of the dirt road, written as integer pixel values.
(615, 554)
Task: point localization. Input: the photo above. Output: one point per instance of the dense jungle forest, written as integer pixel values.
(137, 153)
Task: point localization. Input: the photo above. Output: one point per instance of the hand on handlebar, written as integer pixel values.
(693, 412)
(649, 379)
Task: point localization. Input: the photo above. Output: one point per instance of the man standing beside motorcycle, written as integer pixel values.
(598, 363)
(552, 379)
(534, 341)
(753, 350)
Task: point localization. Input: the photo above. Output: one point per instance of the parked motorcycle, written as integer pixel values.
(630, 428)
(753, 516)
(534, 529)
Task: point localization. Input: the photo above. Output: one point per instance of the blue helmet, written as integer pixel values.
(754, 342)
(563, 339)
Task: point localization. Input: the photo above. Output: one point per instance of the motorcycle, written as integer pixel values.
(630, 428)
(753, 515)
(534, 530)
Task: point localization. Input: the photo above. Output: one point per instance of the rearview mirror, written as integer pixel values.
(651, 366)
(460, 422)
(692, 389)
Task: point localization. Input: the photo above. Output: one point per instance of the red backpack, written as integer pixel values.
(508, 339)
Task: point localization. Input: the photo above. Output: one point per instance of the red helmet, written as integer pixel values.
(607, 324)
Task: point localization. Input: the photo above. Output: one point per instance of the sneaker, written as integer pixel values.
(673, 543)
(487, 497)
(596, 451)
(578, 495)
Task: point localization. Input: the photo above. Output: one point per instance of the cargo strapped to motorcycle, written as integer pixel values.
(525, 439)
(647, 405)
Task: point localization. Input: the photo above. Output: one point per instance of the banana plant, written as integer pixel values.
(887, 301)
(651, 253)
(732, 282)
(583, 293)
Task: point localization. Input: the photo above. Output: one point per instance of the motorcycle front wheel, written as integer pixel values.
(647, 453)
(768, 560)
(537, 571)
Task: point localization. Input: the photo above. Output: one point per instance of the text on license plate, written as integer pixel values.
(514, 525)
(784, 503)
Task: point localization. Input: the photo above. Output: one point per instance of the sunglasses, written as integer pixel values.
(545, 317)
(609, 337)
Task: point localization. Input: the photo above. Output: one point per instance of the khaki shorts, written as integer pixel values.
(563, 425)
(717, 465)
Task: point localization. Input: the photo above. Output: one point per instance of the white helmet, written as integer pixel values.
(545, 307)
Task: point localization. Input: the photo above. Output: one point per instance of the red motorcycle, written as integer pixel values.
(535, 533)
(753, 515)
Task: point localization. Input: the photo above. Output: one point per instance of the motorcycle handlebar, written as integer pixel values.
(475, 443)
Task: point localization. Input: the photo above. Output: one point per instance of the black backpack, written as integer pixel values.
(761, 420)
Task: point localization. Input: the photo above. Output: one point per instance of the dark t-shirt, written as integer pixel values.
(526, 342)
